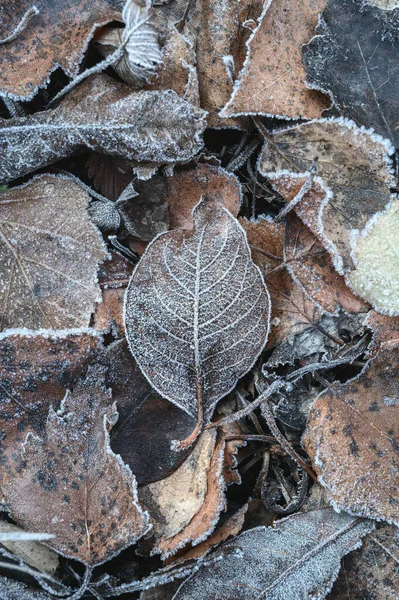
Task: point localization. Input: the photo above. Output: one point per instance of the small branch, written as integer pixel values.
(32, 12)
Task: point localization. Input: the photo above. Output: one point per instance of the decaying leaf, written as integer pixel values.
(146, 420)
(105, 116)
(31, 552)
(359, 43)
(298, 558)
(371, 572)
(185, 189)
(355, 168)
(36, 369)
(50, 254)
(15, 590)
(299, 275)
(110, 175)
(113, 278)
(272, 81)
(197, 312)
(78, 489)
(56, 35)
(384, 328)
(353, 439)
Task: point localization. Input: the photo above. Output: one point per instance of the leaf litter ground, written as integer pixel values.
(199, 307)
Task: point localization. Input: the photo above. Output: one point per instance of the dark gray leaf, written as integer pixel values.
(355, 58)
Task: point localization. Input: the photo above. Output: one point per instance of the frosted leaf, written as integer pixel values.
(70, 483)
(15, 590)
(25, 545)
(197, 312)
(105, 215)
(57, 36)
(49, 254)
(371, 572)
(36, 369)
(385, 4)
(354, 184)
(352, 438)
(106, 116)
(384, 328)
(359, 44)
(298, 558)
(113, 278)
(272, 81)
(376, 257)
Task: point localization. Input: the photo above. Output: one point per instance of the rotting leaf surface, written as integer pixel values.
(197, 312)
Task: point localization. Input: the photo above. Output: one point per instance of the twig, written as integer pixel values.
(30, 13)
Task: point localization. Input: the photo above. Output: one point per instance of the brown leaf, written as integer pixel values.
(110, 175)
(35, 372)
(106, 116)
(114, 275)
(384, 328)
(32, 553)
(353, 439)
(299, 275)
(78, 489)
(195, 303)
(146, 420)
(49, 254)
(185, 189)
(55, 37)
(272, 81)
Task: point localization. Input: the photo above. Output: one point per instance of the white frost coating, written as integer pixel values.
(24, 536)
(316, 540)
(50, 333)
(15, 590)
(197, 310)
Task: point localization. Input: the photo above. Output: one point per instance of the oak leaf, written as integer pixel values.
(272, 81)
(78, 489)
(197, 312)
(49, 254)
(55, 35)
(106, 116)
(352, 438)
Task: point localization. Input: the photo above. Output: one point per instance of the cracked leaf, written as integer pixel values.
(352, 438)
(197, 312)
(55, 37)
(272, 81)
(50, 254)
(359, 44)
(69, 482)
(105, 116)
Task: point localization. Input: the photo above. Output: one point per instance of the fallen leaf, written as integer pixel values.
(262, 567)
(372, 570)
(113, 277)
(359, 43)
(86, 496)
(384, 328)
(192, 303)
(36, 369)
(105, 116)
(15, 590)
(31, 552)
(385, 4)
(299, 275)
(355, 166)
(146, 420)
(50, 254)
(185, 189)
(110, 175)
(352, 438)
(57, 35)
(272, 81)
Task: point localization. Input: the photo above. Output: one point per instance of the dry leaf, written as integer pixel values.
(353, 439)
(353, 163)
(365, 84)
(299, 275)
(371, 572)
(78, 489)
(35, 372)
(50, 254)
(384, 328)
(108, 117)
(263, 568)
(56, 36)
(110, 175)
(185, 189)
(272, 81)
(195, 303)
(15, 590)
(31, 552)
(145, 419)
(113, 277)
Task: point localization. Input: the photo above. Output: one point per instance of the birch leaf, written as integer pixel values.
(359, 44)
(197, 312)
(49, 255)
(298, 558)
(56, 35)
(106, 116)
(352, 438)
(78, 489)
